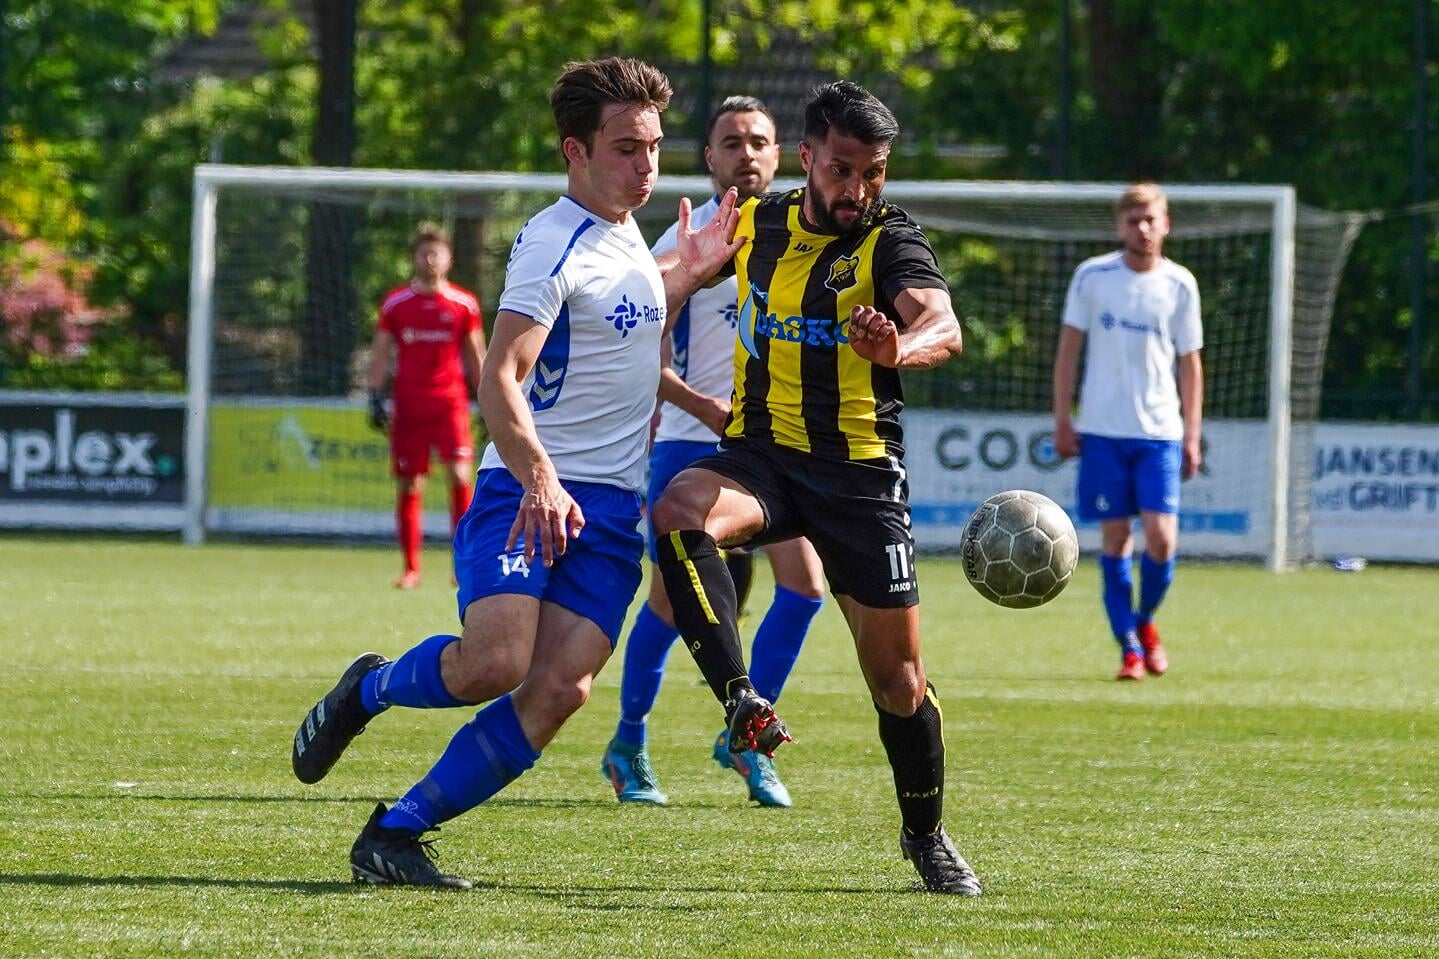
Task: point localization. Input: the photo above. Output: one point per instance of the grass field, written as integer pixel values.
(1275, 795)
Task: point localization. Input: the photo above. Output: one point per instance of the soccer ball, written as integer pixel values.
(1019, 549)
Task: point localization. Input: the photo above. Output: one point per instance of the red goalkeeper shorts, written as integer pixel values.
(415, 432)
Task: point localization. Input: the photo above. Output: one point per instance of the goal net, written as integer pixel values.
(289, 266)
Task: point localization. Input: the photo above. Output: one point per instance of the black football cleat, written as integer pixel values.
(333, 722)
(754, 725)
(941, 867)
(397, 857)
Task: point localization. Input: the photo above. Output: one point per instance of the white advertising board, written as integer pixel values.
(1376, 491)
(957, 460)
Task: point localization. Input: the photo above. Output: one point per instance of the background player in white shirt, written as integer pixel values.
(567, 391)
(742, 152)
(1137, 434)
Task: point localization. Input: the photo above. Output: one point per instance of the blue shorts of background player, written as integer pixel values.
(595, 578)
(668, 459)
(1119, 478)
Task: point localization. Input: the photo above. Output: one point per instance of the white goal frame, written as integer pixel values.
(211, 178)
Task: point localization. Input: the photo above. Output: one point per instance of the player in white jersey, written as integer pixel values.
(1137, 433)
(567, 391)
(742, 152)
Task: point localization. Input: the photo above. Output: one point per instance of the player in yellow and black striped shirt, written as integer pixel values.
(838, 291)
(794, 383)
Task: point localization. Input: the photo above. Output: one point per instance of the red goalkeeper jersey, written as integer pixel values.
(428, 329)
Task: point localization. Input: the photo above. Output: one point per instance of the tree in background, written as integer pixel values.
(1318, 95)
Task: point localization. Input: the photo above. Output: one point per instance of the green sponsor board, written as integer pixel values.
(304, 457)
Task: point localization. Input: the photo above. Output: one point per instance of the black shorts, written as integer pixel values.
(856, 514)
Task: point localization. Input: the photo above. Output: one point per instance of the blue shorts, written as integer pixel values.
(596, 577)
(669, 459)
(1119, 478)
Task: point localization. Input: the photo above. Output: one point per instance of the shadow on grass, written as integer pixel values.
(575, 896)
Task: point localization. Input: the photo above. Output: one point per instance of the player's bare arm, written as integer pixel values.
(698, 254)
(1191, 404)
(547, 517)
(472, 355)
(712, 411)
(1066, 372)
(382, 350)
(931, 333)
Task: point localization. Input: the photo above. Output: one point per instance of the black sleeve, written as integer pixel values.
(903, 260)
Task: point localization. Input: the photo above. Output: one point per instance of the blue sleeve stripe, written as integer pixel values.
(1085, 273)
(680, 338)
(573, 240)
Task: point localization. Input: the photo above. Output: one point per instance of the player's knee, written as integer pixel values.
(479, 675)
(812, 589)
(900, 694)
(1161, 549)
(1160, 542)
(556, 700)
(675, 511)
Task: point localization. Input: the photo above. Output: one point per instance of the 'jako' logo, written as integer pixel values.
(60, 460)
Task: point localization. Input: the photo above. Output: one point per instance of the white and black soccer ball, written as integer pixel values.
(1019, 549)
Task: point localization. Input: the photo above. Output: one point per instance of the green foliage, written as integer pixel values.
(146, 205)
(460, 85)
(77, 74)
(98, 154)
(111, 361)
(40, 200)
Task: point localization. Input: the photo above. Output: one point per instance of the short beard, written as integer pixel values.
(744, 193)
(829, 223)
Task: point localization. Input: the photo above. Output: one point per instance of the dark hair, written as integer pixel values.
(851, 109)
(428, 233)
(586, 87)
(736, 105)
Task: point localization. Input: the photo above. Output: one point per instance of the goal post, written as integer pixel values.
(267, 455)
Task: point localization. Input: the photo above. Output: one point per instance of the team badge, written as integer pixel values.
(842, 275)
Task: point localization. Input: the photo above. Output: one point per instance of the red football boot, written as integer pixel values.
(1156, 660)
(1133, 668)
(410, 579)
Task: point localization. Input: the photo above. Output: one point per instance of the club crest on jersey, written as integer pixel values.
(843, 274)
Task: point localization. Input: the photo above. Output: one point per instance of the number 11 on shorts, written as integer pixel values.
(898, 554)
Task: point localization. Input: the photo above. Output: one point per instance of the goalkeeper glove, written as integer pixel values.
(379, 416)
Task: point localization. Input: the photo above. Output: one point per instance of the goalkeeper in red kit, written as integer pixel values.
(432, 330)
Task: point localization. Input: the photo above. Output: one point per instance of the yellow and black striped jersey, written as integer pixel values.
(797, 382)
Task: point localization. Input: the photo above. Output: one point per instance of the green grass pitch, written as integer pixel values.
(1275, 795)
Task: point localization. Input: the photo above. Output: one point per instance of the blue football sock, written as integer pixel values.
(486, 755)
(778, 640)
(1118, 576)
(646, 649)
(413, 680)
(1154, 580)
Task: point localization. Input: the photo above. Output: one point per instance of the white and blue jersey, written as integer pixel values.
(1136, 325)
(595, 286)
(704, 342)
